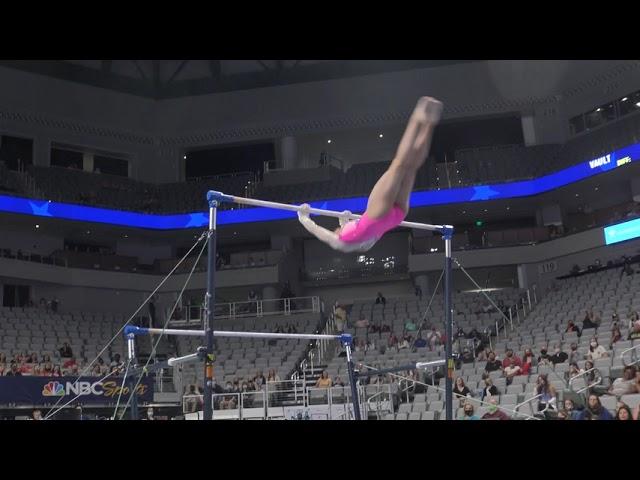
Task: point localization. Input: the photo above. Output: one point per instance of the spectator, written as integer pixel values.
(590, 320)
(596, 351)
(511, 370)
(259, 380)
(528, 361)
(544, 358)
(95, 371)
(253, 296)
(192, 399)
(57, 372)
(572, 327)
(467, 356)
(150, 414)
(616, 335)
(574, 370)
(420, 342)
(626, 385)
(45, 358)
(340, 317)
(103, 367)
(624, 413)
(13, 371)
(493, 364)
(36, 371)
(65, 351)
(558, 355)
(570, 409)
(69, 363)
(410, 326)
(380, 299)
(434, 338)
(547, 392)
(393, 341)
(273, 377)
(48, 369)
(593, 377)
(633, 318)
(36, 415)
(469, 412)
(594, 410)
(493, 412)
(489, 390)
(116, 361)
(574, 356)
(460, 390)
(324, 381)
(511, 358)
(418, 291)
(338, 382)
(227, 402)
(635, 332)
(404, 343)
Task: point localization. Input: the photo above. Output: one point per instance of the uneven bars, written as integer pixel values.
(219, 197)
(131, 330)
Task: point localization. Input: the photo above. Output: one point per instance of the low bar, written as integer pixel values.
(344, 338)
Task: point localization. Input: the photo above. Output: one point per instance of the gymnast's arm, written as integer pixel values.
(327, 236)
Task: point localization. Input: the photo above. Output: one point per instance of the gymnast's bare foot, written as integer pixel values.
(428, 110)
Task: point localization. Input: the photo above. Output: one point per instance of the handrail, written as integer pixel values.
(596, 382)
(388, 390)
(624, 352)
(235, 310)
(517, 407)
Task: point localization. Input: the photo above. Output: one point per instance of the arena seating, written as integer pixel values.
(607, 292)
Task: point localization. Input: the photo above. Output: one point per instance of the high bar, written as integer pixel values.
(212, 195)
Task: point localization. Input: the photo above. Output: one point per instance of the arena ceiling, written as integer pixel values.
(161, 79)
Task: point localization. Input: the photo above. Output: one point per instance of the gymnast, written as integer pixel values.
(388, 203)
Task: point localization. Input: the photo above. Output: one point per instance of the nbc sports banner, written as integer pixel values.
(48, 390)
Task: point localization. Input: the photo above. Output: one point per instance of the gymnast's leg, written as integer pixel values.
(396, 184)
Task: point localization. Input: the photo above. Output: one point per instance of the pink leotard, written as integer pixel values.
(366, 228)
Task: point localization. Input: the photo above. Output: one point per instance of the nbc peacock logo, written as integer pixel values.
(53, 389)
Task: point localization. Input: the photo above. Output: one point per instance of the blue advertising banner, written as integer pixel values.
(48, 390)
(477, 193)
(622, 231)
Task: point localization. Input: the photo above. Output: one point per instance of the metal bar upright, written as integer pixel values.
(209, 302)
(447, 234)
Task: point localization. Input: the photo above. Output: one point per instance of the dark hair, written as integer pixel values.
(624, 407)
(597, 398)
(543, 388)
